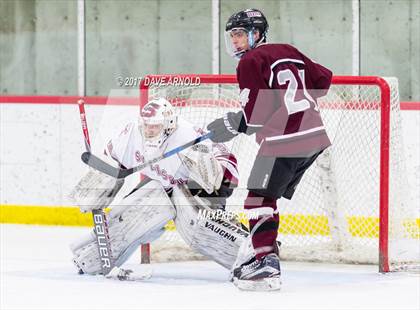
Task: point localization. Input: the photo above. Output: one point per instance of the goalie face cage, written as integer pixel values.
(353, 199)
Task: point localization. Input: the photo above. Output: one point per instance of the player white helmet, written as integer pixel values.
(157, 122)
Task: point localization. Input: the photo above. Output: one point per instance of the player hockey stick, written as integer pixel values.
(93, 161)
(99, 218)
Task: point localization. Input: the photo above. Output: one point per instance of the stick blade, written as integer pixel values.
(98, 164)
(85, 157)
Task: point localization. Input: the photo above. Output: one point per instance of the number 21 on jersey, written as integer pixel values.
(294, 106)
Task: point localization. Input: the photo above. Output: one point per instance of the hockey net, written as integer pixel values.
(351, 206)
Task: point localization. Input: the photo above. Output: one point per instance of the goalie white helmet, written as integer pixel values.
(157, 122)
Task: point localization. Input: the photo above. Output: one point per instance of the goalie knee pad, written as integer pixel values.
(140, 218)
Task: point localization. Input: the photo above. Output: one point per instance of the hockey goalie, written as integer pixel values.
(175, 188)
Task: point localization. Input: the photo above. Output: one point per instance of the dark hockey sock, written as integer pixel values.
(264, 237)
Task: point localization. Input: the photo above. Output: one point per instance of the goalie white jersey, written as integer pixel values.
(129, 151)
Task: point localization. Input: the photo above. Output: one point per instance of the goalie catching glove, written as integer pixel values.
(203, 167)
(207, 175)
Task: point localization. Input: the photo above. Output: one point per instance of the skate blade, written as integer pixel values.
(266, 284)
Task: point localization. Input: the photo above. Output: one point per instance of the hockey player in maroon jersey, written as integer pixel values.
(279, 90)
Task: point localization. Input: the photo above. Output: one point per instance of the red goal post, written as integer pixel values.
(347, 102)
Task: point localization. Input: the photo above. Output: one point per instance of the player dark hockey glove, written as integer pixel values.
(225, 128)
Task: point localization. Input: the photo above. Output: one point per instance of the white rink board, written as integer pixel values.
(41, 147)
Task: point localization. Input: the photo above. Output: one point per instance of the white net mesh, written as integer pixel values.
(334, 215)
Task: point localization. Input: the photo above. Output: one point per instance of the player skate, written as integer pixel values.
(256, 274)
(259, 275)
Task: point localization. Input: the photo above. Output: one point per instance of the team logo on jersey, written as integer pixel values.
(166, 176)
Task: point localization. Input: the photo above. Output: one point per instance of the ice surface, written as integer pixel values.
(37, 273)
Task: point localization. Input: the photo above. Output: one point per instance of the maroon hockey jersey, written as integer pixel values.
(279, 90)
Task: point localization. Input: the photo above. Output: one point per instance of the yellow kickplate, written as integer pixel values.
(295, 224)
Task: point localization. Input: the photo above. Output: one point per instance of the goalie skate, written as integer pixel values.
(259, 275)
(121, 274)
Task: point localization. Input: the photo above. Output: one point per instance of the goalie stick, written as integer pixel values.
(99, 218)
(93, 161)
(109, 270)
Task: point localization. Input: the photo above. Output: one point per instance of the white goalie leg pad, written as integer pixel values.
(203, 167)
(139, 218)
(216, 239)
(84, 241)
